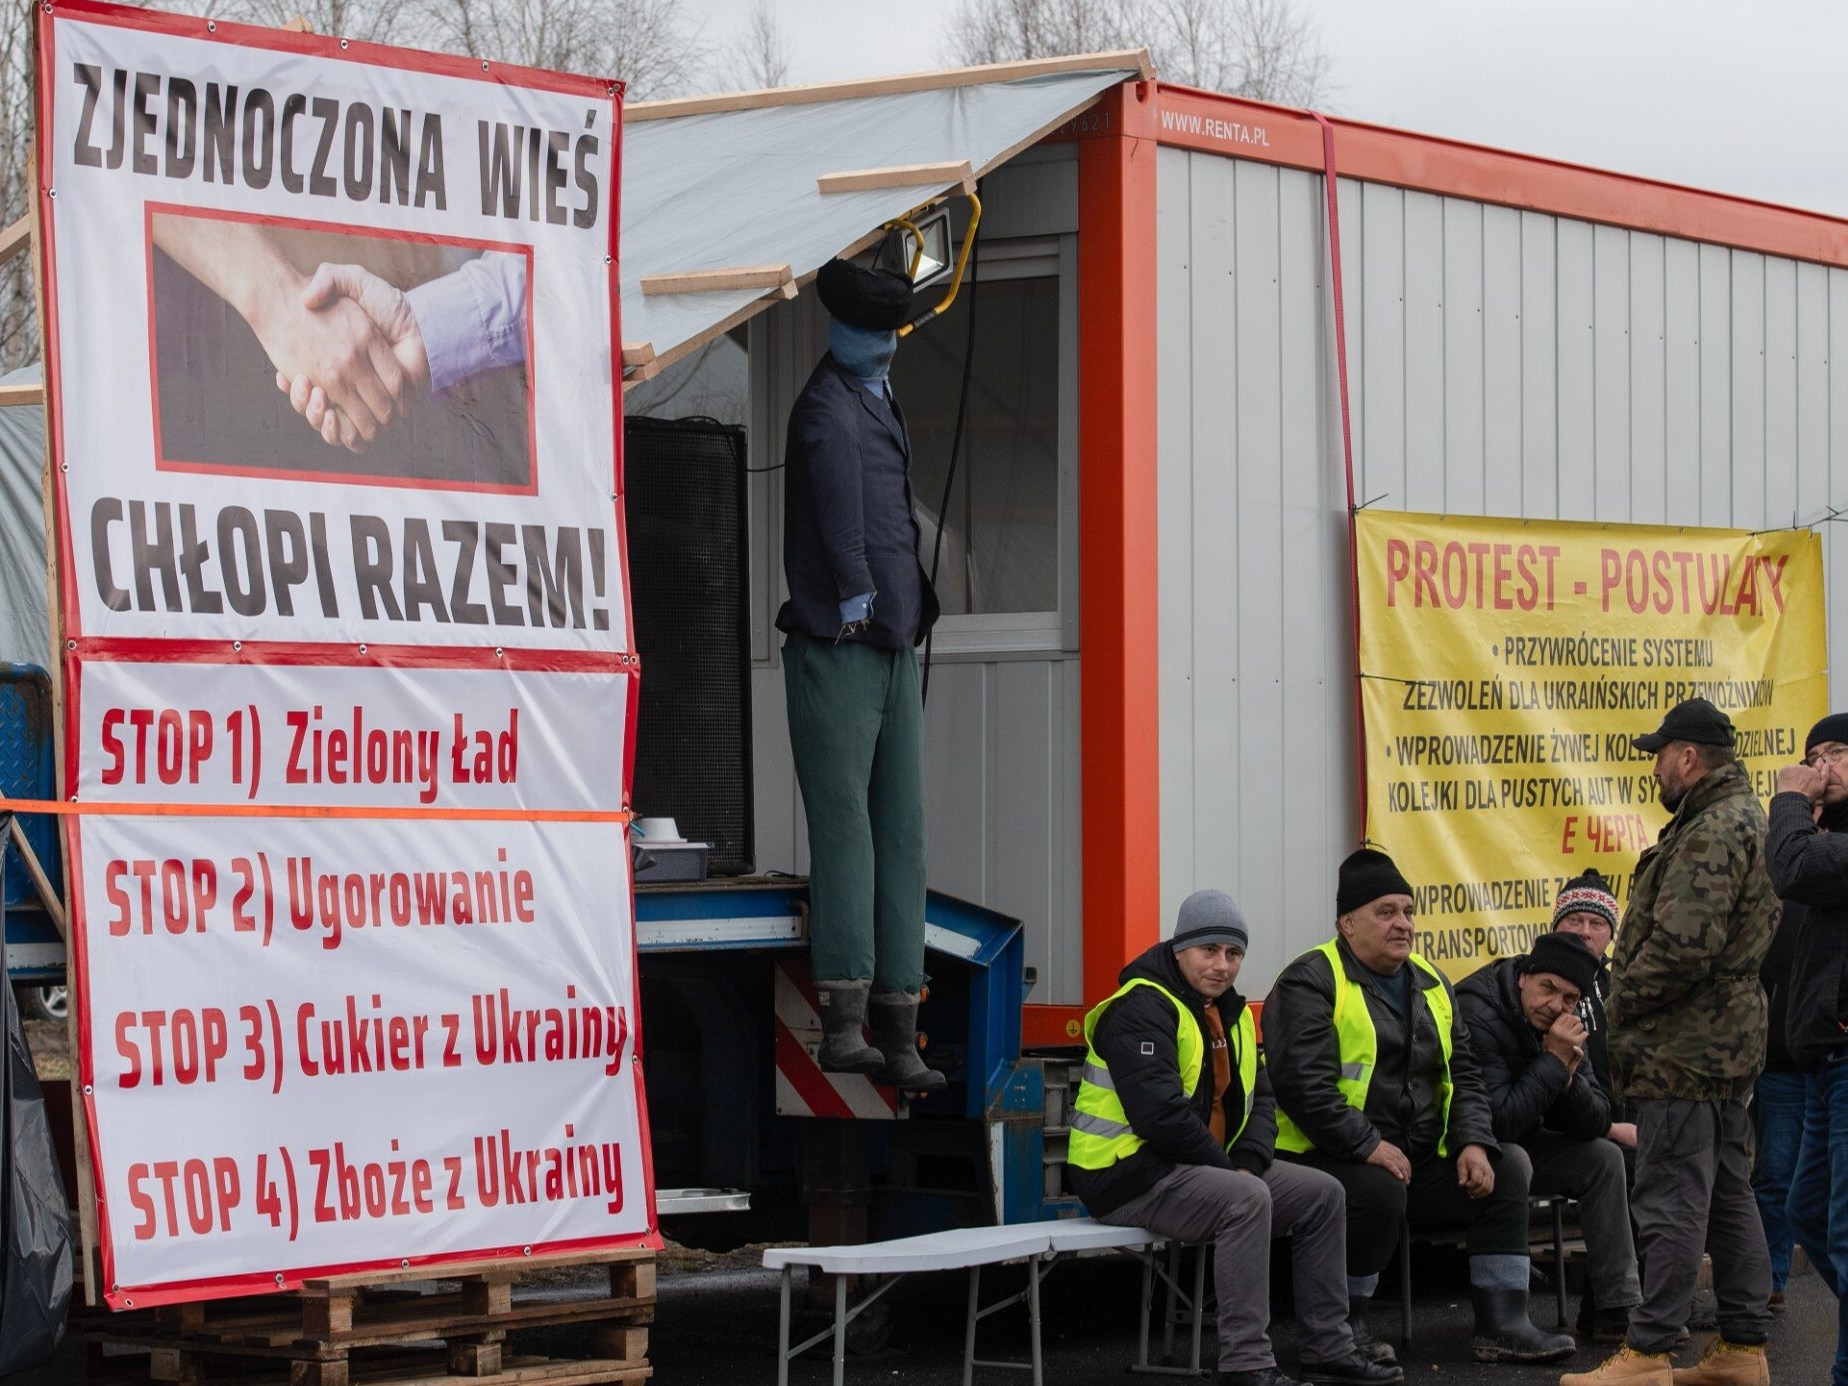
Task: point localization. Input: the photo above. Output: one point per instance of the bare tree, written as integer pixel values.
(19, 340)
(1269, 50)
(371, 21)
(641, 42)
(996, 31)
(759, 57)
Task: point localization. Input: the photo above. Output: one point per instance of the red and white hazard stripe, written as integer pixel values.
(802, 1089)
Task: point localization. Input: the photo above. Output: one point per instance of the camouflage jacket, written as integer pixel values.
(1687, 1015)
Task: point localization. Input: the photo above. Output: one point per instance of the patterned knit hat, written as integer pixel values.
(1590, 893)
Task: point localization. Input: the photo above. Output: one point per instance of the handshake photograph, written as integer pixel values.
(315, 352)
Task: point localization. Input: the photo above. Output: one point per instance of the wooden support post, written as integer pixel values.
(474, 1359)
(12, 242)
(176, 1364)
(626, 1343)
(484, 1297)
(319, 1374)
(632, 1280)
(182, 1318)
(327, 1314)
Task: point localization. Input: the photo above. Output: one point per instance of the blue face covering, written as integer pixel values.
(861, 353)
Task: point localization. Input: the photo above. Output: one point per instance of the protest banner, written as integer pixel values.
(348, 697)
(1505, 667)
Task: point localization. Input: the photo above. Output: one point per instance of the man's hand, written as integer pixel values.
(1623, 1132)
(1392, 1159)
(336, 288)
(337, 349)
(1565, 1040)
(1474, 1172)
(1804, 780)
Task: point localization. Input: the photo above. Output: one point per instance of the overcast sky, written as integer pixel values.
(1748, 97)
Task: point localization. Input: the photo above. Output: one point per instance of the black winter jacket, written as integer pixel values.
(1138, 1040)
(1809, 871)
(1598, 1043)
(1529, 1089)
(1775, 976)
(1304, 1059)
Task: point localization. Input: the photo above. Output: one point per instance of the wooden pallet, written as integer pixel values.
(377, 1330)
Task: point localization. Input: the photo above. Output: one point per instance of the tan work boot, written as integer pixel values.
(1629, 1366)
(1727, 1364)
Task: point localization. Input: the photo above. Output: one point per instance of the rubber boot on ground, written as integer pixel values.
(1625, 1367)
(1504, 1333)
(842, 1006)
(1368, 1346)
(895, 1033)
(1727, 1364)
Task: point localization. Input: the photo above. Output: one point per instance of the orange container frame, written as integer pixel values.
(1117, 380)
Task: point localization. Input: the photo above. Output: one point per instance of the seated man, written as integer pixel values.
(1173, 1131)
(1376, 1084)
(1587, 910)
(1530, 1044)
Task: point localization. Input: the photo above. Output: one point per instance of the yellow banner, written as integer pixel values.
(1505, 666)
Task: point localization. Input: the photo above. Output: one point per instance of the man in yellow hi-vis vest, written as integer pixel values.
(1377, 1085)
(1173, 1131)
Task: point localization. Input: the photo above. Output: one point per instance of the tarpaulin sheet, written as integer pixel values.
(25, 637)
(736, 188)
(35, 1233)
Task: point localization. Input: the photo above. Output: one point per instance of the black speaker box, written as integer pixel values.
(684, 498)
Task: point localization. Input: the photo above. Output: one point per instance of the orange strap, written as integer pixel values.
(503, 815)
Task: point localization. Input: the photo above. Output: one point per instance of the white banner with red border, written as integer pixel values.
(336, 429)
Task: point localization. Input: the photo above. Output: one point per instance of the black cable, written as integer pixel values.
(949, 479)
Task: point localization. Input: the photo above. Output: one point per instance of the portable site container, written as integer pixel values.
(1159, 694)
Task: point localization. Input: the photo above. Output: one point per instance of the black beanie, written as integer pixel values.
(1366, 876)
(1563, 956)
(1834, 727)
(1590, 893)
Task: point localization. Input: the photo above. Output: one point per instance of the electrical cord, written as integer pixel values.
(949, 478)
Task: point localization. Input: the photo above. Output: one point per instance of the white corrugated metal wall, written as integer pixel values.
(1500, 363)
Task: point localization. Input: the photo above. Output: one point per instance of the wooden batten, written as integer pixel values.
(781, 294)
(21, 394)
(16, 239)
(725, 280)
(637, 353)
(48, 895)
(1136, 59)
(896, 176)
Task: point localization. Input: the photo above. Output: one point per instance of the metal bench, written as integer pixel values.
(1041, 1245)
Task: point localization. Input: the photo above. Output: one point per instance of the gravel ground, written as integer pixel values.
(50, 1044)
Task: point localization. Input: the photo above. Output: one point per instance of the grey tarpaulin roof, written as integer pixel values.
(726, 188)
(25, 638)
